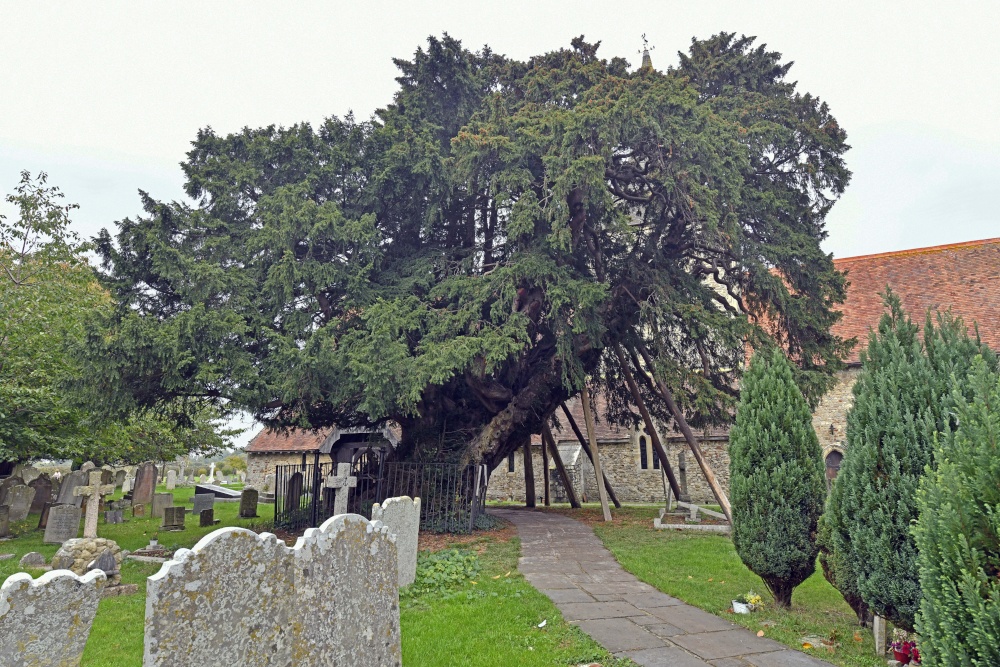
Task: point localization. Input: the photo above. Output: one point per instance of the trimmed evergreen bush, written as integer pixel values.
(958, 536)
(902, 399)
(775, 477)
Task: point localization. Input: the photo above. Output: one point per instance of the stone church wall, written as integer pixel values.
(830, 417)
(260, 465)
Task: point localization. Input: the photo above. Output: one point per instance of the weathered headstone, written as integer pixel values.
(120, 476)
(127, 485)
(248, 503)
(330, 600)
(19, 499)
(402, 517)
(106, 563)
(43, 518)
(93, 492)
(160, 502)
(87, 466)
(293, 492)
(243, 477)
(202, 478)
(138, 509)
(67, 489)
(173, 518)
(269, 482)
(63, 524)
(29, 473)
(47, 621)
(5, 486)
(203, 501)
(43, 492)
(685, 497)
(207, 517)
(4, 521)
(343, 482)
(107, 476)
(171, 480)
(113, 516)
(32, 559)
(145, 484)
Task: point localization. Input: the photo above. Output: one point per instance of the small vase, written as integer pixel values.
(740, 607)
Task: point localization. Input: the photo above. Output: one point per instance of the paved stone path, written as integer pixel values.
(566, 561)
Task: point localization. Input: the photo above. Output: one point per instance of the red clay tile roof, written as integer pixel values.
(962, 276)
(294, 441)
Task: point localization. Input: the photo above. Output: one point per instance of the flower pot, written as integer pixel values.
(903, 658)
(740, 607)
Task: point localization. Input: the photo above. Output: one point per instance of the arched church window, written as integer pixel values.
(643, 456)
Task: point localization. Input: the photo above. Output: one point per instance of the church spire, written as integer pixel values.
(647, 62)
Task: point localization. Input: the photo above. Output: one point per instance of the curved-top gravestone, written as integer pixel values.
(43, 492)
(67, 490)
(19, 500)
(402, 516)
(5, 487)
(145, 484)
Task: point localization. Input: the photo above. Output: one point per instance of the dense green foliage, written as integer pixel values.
(903, 398)
(48, 294)
(776, 477)
(461, 262)
(958, 535)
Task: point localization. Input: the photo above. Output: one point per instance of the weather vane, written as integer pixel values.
(647, 62)
(646, 48)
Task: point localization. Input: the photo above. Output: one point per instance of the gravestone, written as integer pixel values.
(243, 477)
(138, 509)
(46, 621)
(29, 473)
(19, 499)
(202, 478)
(127, 485)
(114, 516)
(87, 466)
(120, 476)
(4, 521)
(685, 497)
(293, 492)
(171, 480)
(248, 503)
(145, 484)
(93, 492)
(207, 517)
(107, 476)
(160, 502)
(173, 518)
(63, 524)
(32, 559)
(106, 563)
(67, 489)
(43, 492)
(43, 518)
(342, 482)
(402, 517)
(6, 485)
(330, 600)
(269, 482)
(203, 501)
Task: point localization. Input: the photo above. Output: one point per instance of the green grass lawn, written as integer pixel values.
(705, 571)
(490, 623)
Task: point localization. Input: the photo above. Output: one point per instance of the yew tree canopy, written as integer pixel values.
(460, 262)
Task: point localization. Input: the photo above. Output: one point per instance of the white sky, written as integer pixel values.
(106, 96)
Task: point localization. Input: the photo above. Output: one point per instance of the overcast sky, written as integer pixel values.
(106, 96)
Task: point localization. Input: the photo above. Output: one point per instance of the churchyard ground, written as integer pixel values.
(705, 571)
(491, 620)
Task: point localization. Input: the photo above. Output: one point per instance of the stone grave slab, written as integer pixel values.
(120, 476)
(68, 488)
(145, 484)
(19, 499)
(63, 524)
(138, 509)
(171, 480)
(5, 486)
(32, 559)
(43, 518)
(402, 516)
(88, 466)
(4, 520)
(207, 517)
(160, 502)
(248, 503)
(43, 492)
(46, 621)
(173, 518)
(221, 493)
(203, 501)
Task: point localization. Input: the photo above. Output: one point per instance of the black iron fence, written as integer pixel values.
(452, 497)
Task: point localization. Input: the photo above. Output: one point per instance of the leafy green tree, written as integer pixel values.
(958, 535)
(776, 478)
(460, 263)
(903, 398)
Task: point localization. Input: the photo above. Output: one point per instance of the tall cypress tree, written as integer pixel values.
(776, 477)
(902, 399)
(958, 535)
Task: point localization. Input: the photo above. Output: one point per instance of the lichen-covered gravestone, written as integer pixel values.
(171, 480)
(5, 486)
(120, 476)
(63, 524)
(331, 600)
(161, 501)
(43, 492)
(68, 487)
(46, 621)
(203, 501)
(402, 517)
(19, 499)
(248, 503)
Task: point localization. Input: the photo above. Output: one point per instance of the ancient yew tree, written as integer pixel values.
(503, 229)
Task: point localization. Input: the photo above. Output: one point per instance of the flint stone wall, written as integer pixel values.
(240, 598)
(45, 622)
(402, 516)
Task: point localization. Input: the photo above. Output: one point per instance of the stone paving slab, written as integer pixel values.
(565, 561)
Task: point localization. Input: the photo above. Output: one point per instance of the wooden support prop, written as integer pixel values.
(650, 427)
(545, 474)
(590, 455)
(588, 416)
(560, 468)
(706, 470)
(529, 475)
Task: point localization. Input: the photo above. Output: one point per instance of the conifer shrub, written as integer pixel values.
(903, 398)
(776, 478)
(958, 535)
